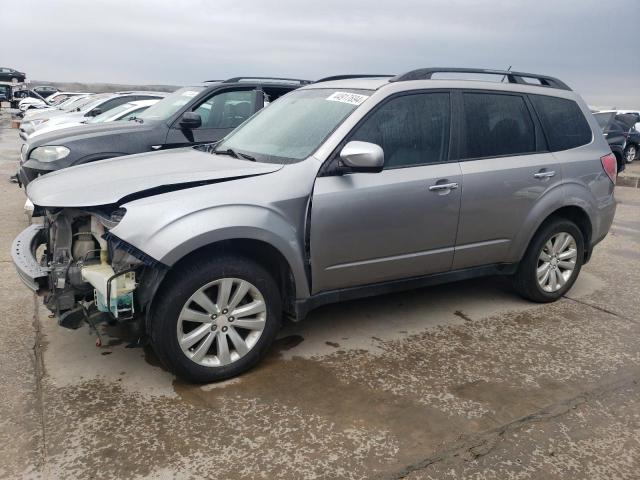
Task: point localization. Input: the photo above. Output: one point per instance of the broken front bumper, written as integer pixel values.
(23, 254)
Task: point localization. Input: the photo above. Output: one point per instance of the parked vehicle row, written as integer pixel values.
(343, 188)
(82, 111)
(189, 116)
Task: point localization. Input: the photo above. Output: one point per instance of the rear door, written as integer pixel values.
(399, 223)
(220, 113)
(506, 168)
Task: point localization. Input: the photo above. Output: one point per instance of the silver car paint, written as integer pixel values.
(349, 244)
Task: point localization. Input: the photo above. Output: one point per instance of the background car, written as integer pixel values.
(630, 119)
(620, 133)
(127, 111)
(12, 75)
(189, 116)
(28, 98)
(96, 105)
(54, 101)
(45, 90)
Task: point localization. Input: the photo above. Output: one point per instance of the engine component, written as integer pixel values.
(113, 292)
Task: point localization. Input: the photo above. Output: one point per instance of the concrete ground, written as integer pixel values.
(463, 380)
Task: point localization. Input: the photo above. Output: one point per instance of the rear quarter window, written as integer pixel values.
(563, 122)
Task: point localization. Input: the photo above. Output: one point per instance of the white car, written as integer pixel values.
(99, 104)
(30, 103)
(127, 111)
(33, 118)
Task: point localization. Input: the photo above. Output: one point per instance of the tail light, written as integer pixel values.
(610, 166)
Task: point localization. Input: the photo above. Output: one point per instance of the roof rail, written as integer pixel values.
(512, 77)
(345, 77)
(211, 81)
(277, 79)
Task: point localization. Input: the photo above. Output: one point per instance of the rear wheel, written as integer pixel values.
(215, 318)
(14, 80)
(630, 153)
(552, 262)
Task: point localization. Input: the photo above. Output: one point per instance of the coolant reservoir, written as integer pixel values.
(122, 288)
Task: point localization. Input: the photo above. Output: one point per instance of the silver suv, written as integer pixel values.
(345, 188)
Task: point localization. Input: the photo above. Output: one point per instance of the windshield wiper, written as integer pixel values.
(136, 119)
(228, 151)
(248, 157)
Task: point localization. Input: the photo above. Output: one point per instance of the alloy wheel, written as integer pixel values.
(630, 154)
(221, 322)
(557, 262)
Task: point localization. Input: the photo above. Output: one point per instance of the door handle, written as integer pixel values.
(545, 174)
(443, 186)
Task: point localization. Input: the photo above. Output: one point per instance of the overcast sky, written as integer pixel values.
(593, 45)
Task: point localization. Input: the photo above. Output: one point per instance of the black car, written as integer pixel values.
(11, 75)
(45, 90)
(189, 116)
(621, 135)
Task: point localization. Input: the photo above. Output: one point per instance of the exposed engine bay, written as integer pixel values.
(92, 275)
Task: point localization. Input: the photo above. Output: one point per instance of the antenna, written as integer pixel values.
(504, 77)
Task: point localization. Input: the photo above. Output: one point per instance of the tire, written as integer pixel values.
(630, 153)
(14, 80)
(527, 282)
(176, 304)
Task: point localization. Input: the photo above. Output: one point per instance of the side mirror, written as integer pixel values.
(362, 157)
(95, 112)
(190, 120)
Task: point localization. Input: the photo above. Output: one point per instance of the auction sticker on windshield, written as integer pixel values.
(346, 97)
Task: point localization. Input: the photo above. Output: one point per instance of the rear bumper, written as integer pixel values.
(23, 254)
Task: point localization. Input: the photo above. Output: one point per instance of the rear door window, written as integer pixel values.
(496, 125)
(563, 122)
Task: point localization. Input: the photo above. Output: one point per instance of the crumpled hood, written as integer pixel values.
(109, 181)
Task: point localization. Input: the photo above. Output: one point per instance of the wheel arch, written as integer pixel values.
(262, 252)
(576, 214)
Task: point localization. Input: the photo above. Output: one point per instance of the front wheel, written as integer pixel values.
(14, 80)
(630, 153)
(215, 318)
(552, 262)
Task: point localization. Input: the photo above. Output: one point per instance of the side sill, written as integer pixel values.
(304, 306)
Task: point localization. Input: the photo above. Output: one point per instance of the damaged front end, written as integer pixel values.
(84, 272)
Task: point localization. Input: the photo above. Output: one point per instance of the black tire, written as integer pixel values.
(525, 279)
(178, 288)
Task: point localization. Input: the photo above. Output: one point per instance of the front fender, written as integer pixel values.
(176, 238)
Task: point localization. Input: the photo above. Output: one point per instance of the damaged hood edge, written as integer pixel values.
(131, 177)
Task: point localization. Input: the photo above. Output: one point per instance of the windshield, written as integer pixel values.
(112, 114)
(83, 102)
(294, 126)
(70, 102)
(94, 101)
(170, 104)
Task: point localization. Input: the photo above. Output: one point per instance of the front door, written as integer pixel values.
(220, 113)
(400, 223)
